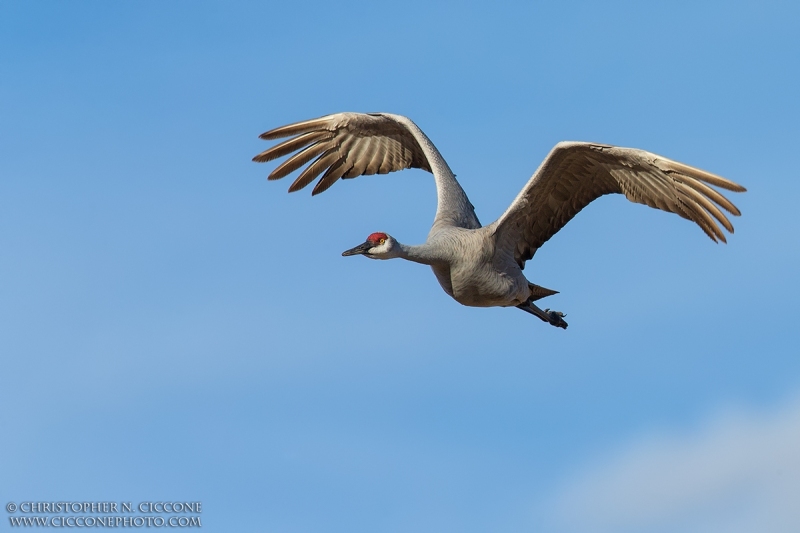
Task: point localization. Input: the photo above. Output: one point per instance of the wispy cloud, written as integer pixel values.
(738, 472)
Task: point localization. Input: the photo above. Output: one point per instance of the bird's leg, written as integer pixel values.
(554, 318)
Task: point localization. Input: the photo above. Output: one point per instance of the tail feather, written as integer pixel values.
(538, 292)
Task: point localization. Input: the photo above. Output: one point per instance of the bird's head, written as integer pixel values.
(377, 246)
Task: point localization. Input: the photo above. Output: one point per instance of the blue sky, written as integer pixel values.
(174, 327)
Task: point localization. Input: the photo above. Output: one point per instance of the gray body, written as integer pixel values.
(468, 269)
(482, 266)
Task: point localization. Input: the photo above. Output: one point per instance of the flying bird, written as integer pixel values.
(481, 266)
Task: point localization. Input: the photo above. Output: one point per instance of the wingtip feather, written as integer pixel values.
(295, 128)
(703, 175)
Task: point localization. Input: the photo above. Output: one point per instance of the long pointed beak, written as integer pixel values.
(358, 250)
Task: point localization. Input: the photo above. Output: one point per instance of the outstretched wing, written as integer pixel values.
(345, 145)
(574, 174)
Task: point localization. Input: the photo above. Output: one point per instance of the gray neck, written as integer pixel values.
(424, 253)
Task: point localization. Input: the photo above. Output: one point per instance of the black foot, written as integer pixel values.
(556, 318)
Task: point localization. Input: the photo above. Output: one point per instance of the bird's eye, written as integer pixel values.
(382, 241)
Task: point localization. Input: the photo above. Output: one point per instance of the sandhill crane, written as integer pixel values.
(482, 266)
